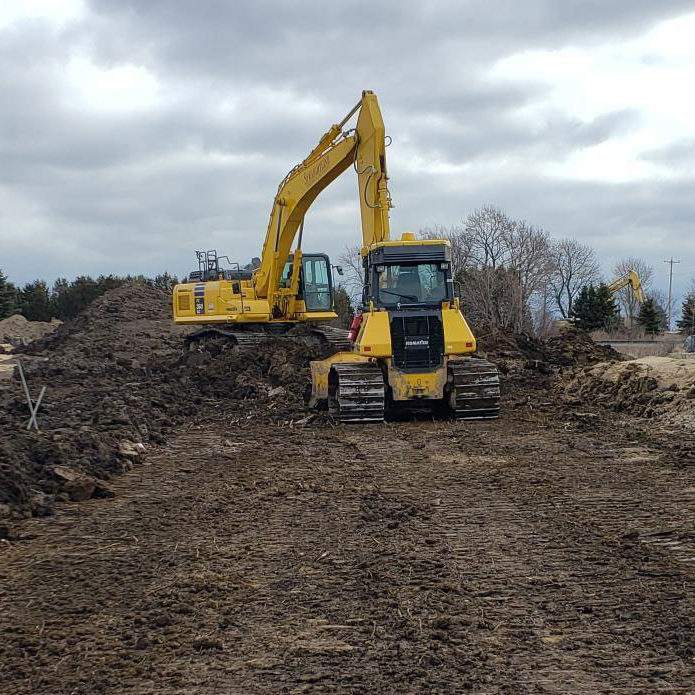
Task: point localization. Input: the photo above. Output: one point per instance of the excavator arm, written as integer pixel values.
(633, 280)
(364, 148)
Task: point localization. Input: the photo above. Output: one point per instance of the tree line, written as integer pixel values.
(65, 299)
(514, 277)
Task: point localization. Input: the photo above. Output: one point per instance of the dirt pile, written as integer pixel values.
(103, 398)
(655, 387)
(16, 330)
(277, 370)
(571, 348)
(529, 364)
(120, 378)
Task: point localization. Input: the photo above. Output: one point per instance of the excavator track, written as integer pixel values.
(356, 393)
(336, 338)
(475, 389)
(331, 338)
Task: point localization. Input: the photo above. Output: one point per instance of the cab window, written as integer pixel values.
(317, 289)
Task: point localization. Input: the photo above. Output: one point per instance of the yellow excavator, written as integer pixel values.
(409, 346)
(632, 279)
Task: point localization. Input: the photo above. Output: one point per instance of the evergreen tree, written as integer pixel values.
(8, 297)
(71, 298)
(343, 307)
(165, 281)
(687, 320)
(34, 301)
(649, 317)
(594, 308)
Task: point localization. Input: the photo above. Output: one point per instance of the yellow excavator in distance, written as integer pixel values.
(409, 346)
(632, 279)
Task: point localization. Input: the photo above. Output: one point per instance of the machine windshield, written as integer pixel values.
(420, 283)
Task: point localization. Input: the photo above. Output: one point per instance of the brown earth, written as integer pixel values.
(16, 330)
(551, 551)
(246, 550)
(660, 388)
(119, 376)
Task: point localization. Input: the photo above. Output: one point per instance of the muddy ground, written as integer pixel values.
(551, 551)
(547, 552)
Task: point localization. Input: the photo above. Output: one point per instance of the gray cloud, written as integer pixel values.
(247, 90)
(677, 155)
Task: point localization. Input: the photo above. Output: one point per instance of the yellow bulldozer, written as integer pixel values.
(409, 347)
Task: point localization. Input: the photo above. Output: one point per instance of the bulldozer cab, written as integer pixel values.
(421, 284)
(409, 276)
(315, 284)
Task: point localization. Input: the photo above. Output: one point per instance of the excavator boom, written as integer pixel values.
(633, 280)
(363, 147)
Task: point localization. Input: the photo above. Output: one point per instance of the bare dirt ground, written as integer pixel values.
(252, 549)
(551, 551)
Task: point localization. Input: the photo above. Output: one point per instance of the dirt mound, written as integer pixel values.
(656, 387)
(279, 367)
(16, 330)
(527, 364)
(120, 378)
(104, 393)
(572, 348)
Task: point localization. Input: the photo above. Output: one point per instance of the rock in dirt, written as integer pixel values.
(75, 483)
(81, 488)
(41, 504)
(103, 490)
(133, 451)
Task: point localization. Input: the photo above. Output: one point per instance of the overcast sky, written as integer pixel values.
(133, 132)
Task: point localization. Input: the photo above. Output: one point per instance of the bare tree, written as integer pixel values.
(626, 299)
(575, 265)
(529, 252)
(490, 298)
(503, 266)
(461, 245)
(353, 278)
(489, 229)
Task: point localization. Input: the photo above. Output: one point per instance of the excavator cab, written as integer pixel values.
(315, 283)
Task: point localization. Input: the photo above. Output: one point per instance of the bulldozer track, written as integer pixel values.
(356, 393)
(475, 389)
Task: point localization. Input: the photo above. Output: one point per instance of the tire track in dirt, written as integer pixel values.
(506, 557)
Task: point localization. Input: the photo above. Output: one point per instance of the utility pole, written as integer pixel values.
(670, 285)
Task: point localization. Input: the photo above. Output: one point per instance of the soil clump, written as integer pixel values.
(16, 330)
